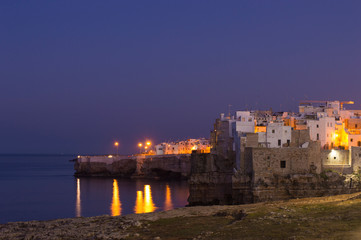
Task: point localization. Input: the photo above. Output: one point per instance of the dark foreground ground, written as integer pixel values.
(336, 217)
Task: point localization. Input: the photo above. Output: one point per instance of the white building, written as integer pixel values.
(276, 136)
(322, 129)
(183, 147)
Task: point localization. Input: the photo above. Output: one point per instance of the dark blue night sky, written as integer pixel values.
(77, 75)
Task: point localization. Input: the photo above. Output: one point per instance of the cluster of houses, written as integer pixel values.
(325, 122)
(328, 122)
(265, 155)
(183, 147)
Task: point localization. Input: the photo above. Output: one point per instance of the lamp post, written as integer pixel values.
(116, 144)
(140, 145)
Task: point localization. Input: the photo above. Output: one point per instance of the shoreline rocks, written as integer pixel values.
(123, 227)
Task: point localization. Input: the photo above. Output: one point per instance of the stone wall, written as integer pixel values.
(299, 137)
(356, 158)
(281, 187)
(149, 166)
(335, 157)
(342, 161)
(266, 162)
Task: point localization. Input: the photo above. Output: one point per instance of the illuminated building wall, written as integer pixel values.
(323, 130)
(183, 147)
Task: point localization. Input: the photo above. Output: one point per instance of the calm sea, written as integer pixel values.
(42, 187)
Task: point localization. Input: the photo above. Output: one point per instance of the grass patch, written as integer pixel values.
(332, 220)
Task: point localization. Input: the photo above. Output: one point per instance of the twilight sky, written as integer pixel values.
(77, 75)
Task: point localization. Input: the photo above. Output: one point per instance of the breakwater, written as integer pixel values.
(135, 166)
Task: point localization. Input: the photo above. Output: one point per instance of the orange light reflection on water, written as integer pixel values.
(148, 200)
(139, 203)
(78, 200)
(144, 204)
(168, 205)
(116, 206)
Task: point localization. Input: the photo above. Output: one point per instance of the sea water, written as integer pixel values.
(42, 187)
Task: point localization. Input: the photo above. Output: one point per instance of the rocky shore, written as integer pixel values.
(335, 217)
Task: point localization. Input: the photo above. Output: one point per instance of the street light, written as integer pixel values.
(140, 147)
(148, 143)
(116, 144)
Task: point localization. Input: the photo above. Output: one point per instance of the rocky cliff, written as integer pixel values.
(211, 180)
(283, 187)
(154, 166)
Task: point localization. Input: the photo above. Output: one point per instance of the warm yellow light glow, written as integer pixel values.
(146, 147)
(340, 138)
(258, 129)
(139, 203)
(148, 143)
(116, 144)
(110, 156)
(168, 205)
(194, 148)
(144, 204)
(78, 200)
(148, 201)
(116, 206)
(140, 144)
(335, 136)
(78, 156)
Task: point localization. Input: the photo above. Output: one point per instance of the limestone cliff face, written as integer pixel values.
(162, 166)
(282, 187)
(167, 166)
(118, 168)
(211, 180)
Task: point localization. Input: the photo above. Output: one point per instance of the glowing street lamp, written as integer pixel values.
(148, 143)
(140, 145)
(116, 144)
